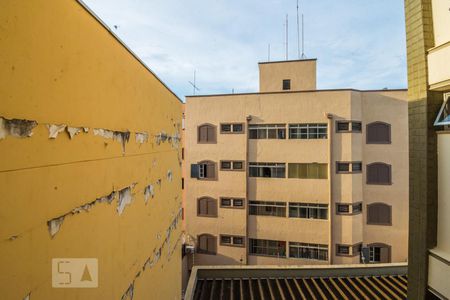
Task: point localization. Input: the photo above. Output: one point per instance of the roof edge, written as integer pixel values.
(285, 61)
(99, 20)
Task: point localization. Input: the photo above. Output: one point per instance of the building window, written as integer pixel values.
(228, 165)
(308, 131)
(267, 248)
(231, 128)
(206, 134)
(342, 250)
(231, 202)
(308, 251)
(231, 240)
(308, 171)
(348, 208)
(207, 244)
(207, 207)
(286, 84)
(379, 214)
(348, 167)
(270, 170)
(182, 153)
(182, 183)
(270, 131)
(348, 126)
(379, 253)
(267, 208)
(308, 211)
(379, 173)
(378, 133)
(204, 170)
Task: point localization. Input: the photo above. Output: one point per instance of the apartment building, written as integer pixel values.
(428, 45)
(293, 175)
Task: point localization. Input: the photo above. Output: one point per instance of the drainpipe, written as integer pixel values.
(247, 246)
(330, 187)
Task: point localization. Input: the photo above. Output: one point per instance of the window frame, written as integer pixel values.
(388, 142)
(232, 199)
(379, 245)
(232, 131)
(214, 127)
(308, 127)
(320, 248)
(269, 165)
(286, 85)
(207, 251)
(350, 167)
(207, 215)
(351, 249)
(264, 205)
(267, 247)
(266, 127)
(308, 206)
(207, 162)
(371, 222)
(308, 165)
(232, 162)
(378, 183)
(232, 243)
(350, 206)
(350, 126)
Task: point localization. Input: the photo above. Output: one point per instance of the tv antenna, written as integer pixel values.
(303, 39)
(194, 86)
(268, 52)
(302, 56)
(298, 33)
(287, 36)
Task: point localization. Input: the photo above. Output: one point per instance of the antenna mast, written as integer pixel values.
(298, 34)
(287, 36)
(303, 39)
(194, 86)
(268, 52)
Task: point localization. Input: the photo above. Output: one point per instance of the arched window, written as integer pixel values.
(378, 133)
(206, 207)
(207, 244)
(379, 173)
(207, 134)
(379, 214)
(379, 253)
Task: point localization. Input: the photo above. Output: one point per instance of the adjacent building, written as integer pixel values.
(90, 161)
(292, 175)
(428, 45)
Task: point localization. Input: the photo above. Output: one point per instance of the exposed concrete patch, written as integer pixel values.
(121, 136)
(54, 130)
(107, 134)
(169, 175)
(141, 137)
(73, 131)
(27, 297)
(16, 127)
(149, 192)
(54, 225)
(125, 198)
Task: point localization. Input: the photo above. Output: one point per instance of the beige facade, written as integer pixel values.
(318, 204)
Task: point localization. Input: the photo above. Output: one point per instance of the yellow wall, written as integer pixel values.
(59, 65)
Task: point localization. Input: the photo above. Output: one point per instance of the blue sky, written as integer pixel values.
(358, 44)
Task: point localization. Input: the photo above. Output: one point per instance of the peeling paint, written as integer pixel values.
(107, 134)
(54, 130)
(149, 191)
(125, 198)
(14, 237)
(161, 137)
(27, 297)
(73, 131)
(86, 129)
(54, 225)
(16, 127)
(129, 294)
(141, 137)
(169, 175)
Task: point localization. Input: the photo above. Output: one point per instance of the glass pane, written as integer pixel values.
(238, 202)
(225, 127)
(272, 133)
(356, 126)
(237, 127)
(253, 134)
(237, 165)
(225, 165)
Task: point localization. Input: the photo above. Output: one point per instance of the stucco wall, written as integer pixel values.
(59, 65)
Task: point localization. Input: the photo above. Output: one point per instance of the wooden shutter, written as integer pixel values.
(379, 213)
(202, 206)
(211, 134)
(384, 173)
(372, 214)
(372, 174)
(203, 133)
(211, 244)
(211, 170)
(211, 207)
(203, 243)
(384, 255)
(378, 133)
(194, 171)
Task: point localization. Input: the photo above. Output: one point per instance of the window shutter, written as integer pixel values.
(194, 171)
(210, 170)
(371, 174)
(211, 244)
(211, 134)
(203, 133)
(384, 255)
(203, 242)
(212, 207)
(202, 207)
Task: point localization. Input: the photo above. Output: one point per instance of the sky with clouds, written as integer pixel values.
(358, 44)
